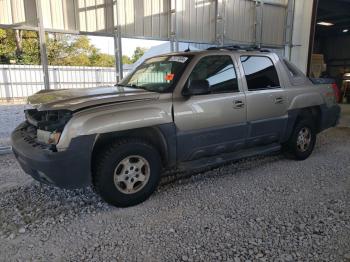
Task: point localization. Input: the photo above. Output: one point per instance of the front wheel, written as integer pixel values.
(303, 139)
(127, 172)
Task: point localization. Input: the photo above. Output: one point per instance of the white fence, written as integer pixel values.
(20, 81)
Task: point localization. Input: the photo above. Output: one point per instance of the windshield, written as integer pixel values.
(157, 74)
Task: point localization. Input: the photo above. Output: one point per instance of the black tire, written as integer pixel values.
(293, 149)
(109, 158)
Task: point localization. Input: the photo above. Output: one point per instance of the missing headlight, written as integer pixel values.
(48, 125)
(53, 120)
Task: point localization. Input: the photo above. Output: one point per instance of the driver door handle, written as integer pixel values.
(238, 104)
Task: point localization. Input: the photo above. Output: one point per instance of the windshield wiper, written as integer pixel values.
(132, 86)
(137, 87)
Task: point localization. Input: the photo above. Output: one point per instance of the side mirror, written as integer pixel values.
(197, 87)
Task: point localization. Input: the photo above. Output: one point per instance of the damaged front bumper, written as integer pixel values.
(67, 169)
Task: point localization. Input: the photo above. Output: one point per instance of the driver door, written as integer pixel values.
(214, 123)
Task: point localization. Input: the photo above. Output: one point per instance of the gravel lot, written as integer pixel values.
(262, 208)
(10, 117)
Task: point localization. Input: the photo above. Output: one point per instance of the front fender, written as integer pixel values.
(107, 119)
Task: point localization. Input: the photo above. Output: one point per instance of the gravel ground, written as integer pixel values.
(345, 119)
(10, 117)
(263, 208)
(258, 209)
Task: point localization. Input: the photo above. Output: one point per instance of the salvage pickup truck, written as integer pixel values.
(179, 111)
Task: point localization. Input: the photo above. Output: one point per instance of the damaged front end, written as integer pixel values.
(35, 142)
(46, 127)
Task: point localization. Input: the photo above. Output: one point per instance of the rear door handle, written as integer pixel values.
(238, 104)
(279, 100)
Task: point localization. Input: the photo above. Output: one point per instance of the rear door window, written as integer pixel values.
(260, 73)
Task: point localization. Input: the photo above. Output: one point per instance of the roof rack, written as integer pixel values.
(239, 48)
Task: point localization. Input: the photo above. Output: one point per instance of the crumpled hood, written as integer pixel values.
(77, 98)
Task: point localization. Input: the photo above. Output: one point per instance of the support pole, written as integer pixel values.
(261, 22)
(288, 36)
(42, 42)
(220, 22)
(259, 9)
(170, 26)
(312, 36)
(118, 54)
(174, 44)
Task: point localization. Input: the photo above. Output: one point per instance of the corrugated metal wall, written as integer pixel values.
(59, 14)
(240, 17)
(144, 18)
(12, 12)
(273, 25)
(18, 12)
(195, 20)
(93, 15)
(298, 52)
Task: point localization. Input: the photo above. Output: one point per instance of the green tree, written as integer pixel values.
(139, 51)
(65, 50)
(77, 51)
(30, 53)
(20, 46)
(7, 46)
(126, 60)
(100, 59)
(57, 46)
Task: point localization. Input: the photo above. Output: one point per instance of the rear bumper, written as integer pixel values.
(67, 169)
(330, 116)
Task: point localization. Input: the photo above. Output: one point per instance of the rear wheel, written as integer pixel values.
(303, 139)
(127, 172)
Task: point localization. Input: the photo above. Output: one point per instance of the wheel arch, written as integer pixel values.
(314, 112)
(162, 137)
(296, 115)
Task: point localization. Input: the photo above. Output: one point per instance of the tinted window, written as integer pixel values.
(260, 72)
(218, 71)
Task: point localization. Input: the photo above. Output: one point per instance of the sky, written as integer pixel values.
(106, 44)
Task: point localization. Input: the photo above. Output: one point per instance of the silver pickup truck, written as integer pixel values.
(178, 111)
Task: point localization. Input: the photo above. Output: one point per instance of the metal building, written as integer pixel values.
(283, 24)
